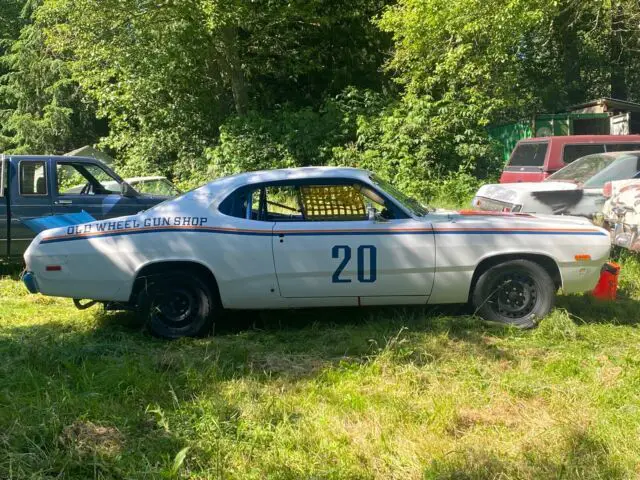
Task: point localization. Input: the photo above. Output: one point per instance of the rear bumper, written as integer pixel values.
(29, 280)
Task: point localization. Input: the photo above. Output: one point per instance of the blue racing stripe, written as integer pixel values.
(321, 233)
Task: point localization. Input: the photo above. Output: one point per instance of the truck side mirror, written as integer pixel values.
(127, 190)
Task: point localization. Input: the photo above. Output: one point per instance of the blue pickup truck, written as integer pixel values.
(39, 186)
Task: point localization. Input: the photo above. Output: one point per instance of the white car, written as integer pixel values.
(576, 189)
(313, 237)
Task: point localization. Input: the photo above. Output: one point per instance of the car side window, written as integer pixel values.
(319, 202)
(332, 203)
(33, 178)
(574, 152)
(306, 202)
(84, 179)
(282, 203)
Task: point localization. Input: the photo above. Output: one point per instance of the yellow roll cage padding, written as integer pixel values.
(332, 202)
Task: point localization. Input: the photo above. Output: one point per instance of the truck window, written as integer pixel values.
(622, 147)
(33, 178)
(574, 152)
(529, 155)
(84, 179)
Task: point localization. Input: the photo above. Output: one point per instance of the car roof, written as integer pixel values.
(301, 173)
(144, 179)
(584, 139)
(218, 189)
(67, 158)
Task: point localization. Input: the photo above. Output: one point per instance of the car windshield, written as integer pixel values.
(593, 171)
(407, 202)
(156, 186)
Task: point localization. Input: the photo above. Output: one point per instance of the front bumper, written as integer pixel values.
(29, 279)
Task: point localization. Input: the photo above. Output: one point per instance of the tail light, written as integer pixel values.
(607, 190)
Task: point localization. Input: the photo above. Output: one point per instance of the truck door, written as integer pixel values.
(90, 187)
(30, 197)
(4, 209)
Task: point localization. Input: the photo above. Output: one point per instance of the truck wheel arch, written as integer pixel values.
(160, 267)
(546, 262)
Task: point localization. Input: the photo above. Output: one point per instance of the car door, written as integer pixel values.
(30, 192)
(90, 187)
(330, 248)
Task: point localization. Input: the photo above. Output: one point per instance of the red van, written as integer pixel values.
(534, 159)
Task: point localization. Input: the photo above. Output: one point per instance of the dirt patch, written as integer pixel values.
(288, 365)
(89, 438)
(524, 415)
(608, 372)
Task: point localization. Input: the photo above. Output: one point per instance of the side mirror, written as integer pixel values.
(372, 213)
(127, 190)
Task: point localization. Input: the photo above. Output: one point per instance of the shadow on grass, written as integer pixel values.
(62, 379)
(111, 372)
(587, 309)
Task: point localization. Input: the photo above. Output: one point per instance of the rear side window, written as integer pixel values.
(529, 155)
(622, 147)
(574, 152)
(33, 178)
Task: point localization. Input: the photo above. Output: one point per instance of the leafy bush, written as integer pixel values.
(426, 148)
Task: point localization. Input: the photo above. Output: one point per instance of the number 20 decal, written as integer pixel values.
(345, 250)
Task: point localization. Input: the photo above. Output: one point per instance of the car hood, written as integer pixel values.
(514, 218)
(509, 192)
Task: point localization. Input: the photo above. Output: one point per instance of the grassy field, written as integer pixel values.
(381, 393)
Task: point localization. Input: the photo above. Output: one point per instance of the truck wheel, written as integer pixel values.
(177, 305)
(518, 292)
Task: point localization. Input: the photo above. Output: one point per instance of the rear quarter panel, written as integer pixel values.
(462, 244)
(104, 265)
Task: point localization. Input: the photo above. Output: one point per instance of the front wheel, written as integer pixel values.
(518, 292)
(177, 305)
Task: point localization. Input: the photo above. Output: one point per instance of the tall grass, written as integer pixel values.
(371, 393)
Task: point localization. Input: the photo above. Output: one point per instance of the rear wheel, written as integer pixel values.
(176, 305)
(518, 292)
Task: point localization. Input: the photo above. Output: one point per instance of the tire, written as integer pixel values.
(518, 292)
(176, 305)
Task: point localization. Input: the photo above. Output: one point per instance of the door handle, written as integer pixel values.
(63, 202)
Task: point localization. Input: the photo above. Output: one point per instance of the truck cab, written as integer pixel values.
(535, 159)
(36, 186)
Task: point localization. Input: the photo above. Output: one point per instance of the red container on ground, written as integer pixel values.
(607, 286)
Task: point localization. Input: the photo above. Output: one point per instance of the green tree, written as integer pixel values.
(45, 111)
(167, 74)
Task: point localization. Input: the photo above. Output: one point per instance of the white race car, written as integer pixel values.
(313, 237)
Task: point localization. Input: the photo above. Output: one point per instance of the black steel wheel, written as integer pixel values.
(518, 292)
(177, 305)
